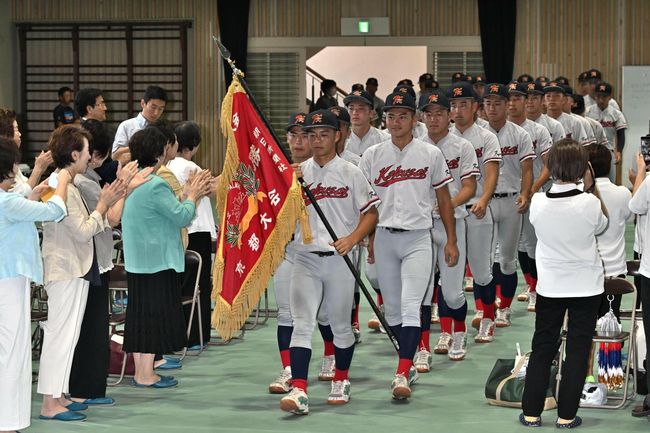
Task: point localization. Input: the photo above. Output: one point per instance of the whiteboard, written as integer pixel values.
(636, 108)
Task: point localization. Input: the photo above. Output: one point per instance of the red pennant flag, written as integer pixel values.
(259, 204)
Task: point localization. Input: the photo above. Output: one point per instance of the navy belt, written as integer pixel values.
(505, 194)
(396, 230)
(323, 253)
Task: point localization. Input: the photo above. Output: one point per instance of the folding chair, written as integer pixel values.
(117, 316)
(613, 286)
(191, 278)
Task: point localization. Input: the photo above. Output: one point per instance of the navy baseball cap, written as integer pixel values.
(437, 97)
(405, 89)
(478, 79)
(535, 87)
(405, 82)
(567, 89)
(554, 86)
(583, 77)
(562, 80)
(460, 90)
(341, 113)
(424, 77)
(400, 100)
(322, 119)
(357, 86)
(594, 75)
(542, 79)
(296, 119)
(516, 88)
(359, 96)
(604, 88)
(496, 89)
(525, 78)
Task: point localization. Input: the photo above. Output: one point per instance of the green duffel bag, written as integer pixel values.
(504, 388)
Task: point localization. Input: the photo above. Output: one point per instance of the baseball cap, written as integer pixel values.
(583, 77)
(478, 79)
(424, 77)
(405, 89)
(468, 78)
(372, 81)
(400, 100)
(604, 88)
(562, 80)
(341, 113)
(578, 104)
(594, 75)
(535, 87)
(437, 97)
(357, 86)
(457, 76)
(553, 86)
(542, 79)
(496, 89)
(358, 96)
(460, 90)
(516, 88)
(405, 81)
(525, 78)
(567, 89)
(322, 119)
(296, 119)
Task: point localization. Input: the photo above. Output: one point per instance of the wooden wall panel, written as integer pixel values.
(433, 17)
(207, 79)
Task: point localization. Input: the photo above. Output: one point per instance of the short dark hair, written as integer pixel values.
(578, 104)
(154, 92)
(7, 119)
(188, 135)
(167, 129)
(326, 84)
(100, 138)
(63, 141)
(9, 157)
(147, 145)
(64, 89)
(567, 160)
(600, 158)
(84, 98)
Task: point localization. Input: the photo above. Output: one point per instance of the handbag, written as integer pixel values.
(505, 384)
(118, 359)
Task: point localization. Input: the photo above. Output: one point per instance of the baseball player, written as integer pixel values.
(300, 152)
(612, 121)
(542, 142)
(479, 221)
(320, 279)
(568, 105)
(478, 83)
(555, 98)
(512, 195)
(594, 77)
(405, 172)
(525, 78)
(534, 112)
(578, 109)
(363, 135)
(463, 166)
(542, 80)
(420, 129)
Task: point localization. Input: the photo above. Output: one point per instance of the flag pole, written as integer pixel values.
(225, 53)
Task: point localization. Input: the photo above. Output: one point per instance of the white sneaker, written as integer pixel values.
(485, 332)
(327, 368)
(413, 375)
(435, 317)
(523, 296)
(374, 323)
(422, 361)
(400, 387)
(297, 402)
(503, 318)
(532, 300)
(476, 320)
(357, 333)
(340, 392)
(442, 347)
(468, 284)
(458, 346)
(497, 302)
(282, 384)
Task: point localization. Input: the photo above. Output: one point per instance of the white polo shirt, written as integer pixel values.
(358, 145)
(126, 130)
(542, 143)
(516, 147)
(639, 204)
(639, 229)
(343, 194)
(405, 181)
(487, 149)
(611, 242)
(568, 262)
(462, 163)
(554, 127)
(611, 120)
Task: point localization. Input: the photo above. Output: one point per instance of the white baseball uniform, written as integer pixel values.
(589, 131)
(350, 157)
(573, 128)
(589, 101)
(554, 127)
(358, 145)
(420, 130)
(482, 122)
(599, 132)
(320, 278)
(611, 120)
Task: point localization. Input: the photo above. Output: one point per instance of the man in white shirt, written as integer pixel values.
(555, 98)
(153, 104)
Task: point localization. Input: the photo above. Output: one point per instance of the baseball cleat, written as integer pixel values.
(340, 392)
(400, 387)
(476, 320)
(282, 384)
(422, 361)
(458, 348)
(327, 368)
(523, 296)
(297, 402)
(532, 300)
(503, 318)
(357, 333)
(485, 332)
(435, 318)
(468, 283)
(413, 375)
(442, 347)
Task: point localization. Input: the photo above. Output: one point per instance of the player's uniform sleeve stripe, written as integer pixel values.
(546, 151)
(494, 158)
(470, 174)
(623, 126)
(527, 156)
(367, 206)
(442, 182)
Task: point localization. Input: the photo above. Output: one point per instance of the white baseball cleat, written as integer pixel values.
(282, 384)
(327, 368)
(435, 318)
(523, 296)
(413, 375)
(400, 387)
(297, 402)
(340, 392)
(503, 318)
(458, 348)
(374, 323)
(532, 300)
(422, 361)
(476, 320)
(468, 284)
(485, 332)
(442, 347)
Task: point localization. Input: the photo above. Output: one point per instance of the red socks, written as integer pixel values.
(404, 366)
(505, 302)
(468, 271)
(459, 326)
(299, 383)
(445, 324)
(380, 300)
(329, 348)
(424, 340)
(340, 374)
(479, 304)
(284, 357)
(527, 277)
(488, 311)
(533, 284)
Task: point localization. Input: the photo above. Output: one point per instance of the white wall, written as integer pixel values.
(349, 65)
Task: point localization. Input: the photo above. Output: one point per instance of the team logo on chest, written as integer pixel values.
(453, 164)
(321, 191)
(479, 152)
(389, 175)
(509, 150)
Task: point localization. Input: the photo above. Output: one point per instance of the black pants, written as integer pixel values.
(546, 340)
(90, 362)
(644, 293)
(201, 242)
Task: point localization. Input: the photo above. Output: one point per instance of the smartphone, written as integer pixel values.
(645, 149)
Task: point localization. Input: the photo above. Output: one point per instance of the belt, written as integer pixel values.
(505, 194)
(323, 253)
(395, 230)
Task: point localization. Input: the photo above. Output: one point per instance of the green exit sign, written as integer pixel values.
(364, 26)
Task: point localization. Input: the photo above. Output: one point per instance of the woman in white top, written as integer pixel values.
(570, 279)
(202, 230)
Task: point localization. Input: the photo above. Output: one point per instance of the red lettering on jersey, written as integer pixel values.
(534, 144)
(453, 163)
(388, 177)
(509, 150)
(479, 152)
(321, 191)
(607, 123)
